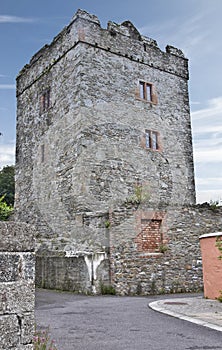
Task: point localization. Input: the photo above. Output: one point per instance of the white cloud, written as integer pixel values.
(207, 142)
(188, 34)
(15, 19)
(208, 156)
(7, 86)
(207, 132)
(208, 195)
(184, 30)
(215, 181)
(195, 103)
(7, 154)
(214, 109)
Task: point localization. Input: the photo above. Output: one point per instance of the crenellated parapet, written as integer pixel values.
(120, 39)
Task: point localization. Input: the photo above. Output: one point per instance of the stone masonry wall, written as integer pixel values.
(148, 252)
(87, 173)
(86, 153)
(173, 266)
(79, 274)
(17, 286)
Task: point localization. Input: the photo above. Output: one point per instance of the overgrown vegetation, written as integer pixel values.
(107, 224)
(5, 209)
(7, 191)
(107, 289)
(7, 184)
(163, 248)
(42, 341)
(220, 297)
(141, 194)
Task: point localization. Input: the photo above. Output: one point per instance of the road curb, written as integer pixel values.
(159, 307)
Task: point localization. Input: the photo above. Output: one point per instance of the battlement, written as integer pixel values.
(119, 39)
(127, 29)
(85, 15)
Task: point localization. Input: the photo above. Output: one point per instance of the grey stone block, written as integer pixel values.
(9, 332)
(17, 297)
(17, 237)
(17, 289)
(10, 267)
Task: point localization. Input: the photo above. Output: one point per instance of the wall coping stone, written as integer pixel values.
(214, 234)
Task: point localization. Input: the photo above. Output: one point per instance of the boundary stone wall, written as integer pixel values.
(129, 266)
(81, 273)
(17, 286)
(174, 269)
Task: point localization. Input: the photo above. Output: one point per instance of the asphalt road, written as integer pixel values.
(117, 323)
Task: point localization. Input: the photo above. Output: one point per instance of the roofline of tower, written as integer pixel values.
(126, 29)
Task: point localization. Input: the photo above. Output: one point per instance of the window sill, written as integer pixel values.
(146, 101)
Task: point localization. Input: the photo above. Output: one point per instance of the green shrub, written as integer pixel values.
(107, 289)
(7, 184)
(220, 297)
(5, 209)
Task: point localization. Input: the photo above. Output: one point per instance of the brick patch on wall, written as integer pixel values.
(151, 231)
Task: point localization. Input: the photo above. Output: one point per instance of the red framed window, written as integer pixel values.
(45, 101)
(151, 139)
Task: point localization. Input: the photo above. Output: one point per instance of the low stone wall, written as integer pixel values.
(81, 273)
(133, 264)
(17, 288)
(176, 266)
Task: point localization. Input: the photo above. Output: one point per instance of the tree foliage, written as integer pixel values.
(7, 184)
(5, 209)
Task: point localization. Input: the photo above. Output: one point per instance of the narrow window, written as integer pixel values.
(151, 138)
(142, 90)
(42, 153)
(148, 92)
(45, 101)
(154, 142)
(145, 91)
(148, 138)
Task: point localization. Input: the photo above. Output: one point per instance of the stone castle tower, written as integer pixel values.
(104, 156)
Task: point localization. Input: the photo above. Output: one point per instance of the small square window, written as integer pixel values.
(45, 101)
(151, 138)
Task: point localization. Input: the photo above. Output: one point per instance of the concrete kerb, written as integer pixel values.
(161, 306)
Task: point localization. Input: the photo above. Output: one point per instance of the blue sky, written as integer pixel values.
(195, 26)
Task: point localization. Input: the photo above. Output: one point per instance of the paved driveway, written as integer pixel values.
(117, 323)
